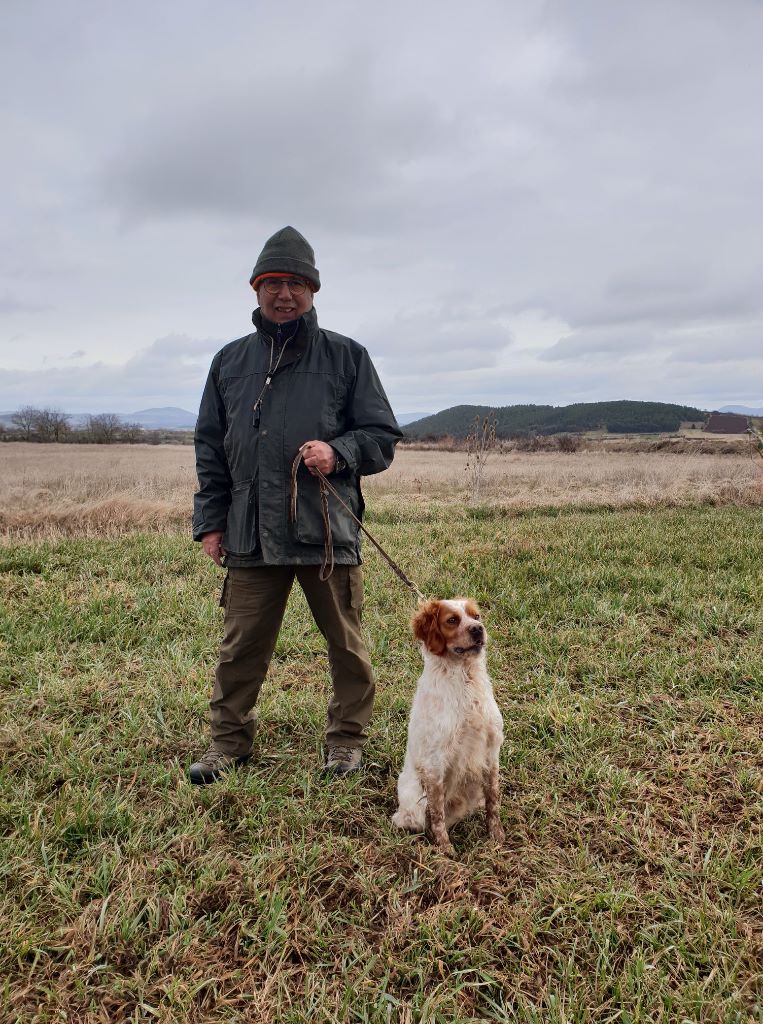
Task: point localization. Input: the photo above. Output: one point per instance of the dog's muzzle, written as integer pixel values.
(477, 634)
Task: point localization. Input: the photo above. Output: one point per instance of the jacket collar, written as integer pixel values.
(299, 334)
(307, 324)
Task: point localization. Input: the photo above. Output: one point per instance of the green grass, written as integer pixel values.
(627, 655)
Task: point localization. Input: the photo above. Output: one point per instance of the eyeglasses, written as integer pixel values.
(273, 285)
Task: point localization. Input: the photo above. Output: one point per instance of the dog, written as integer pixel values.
(455, 730)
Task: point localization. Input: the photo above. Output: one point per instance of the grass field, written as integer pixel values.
(627, 654)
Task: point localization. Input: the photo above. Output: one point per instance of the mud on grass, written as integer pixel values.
(627, 652)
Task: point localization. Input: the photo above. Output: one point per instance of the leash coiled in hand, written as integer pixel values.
(328, 544)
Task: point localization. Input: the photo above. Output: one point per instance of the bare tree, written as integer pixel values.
(25, 419)
(756, 436)
(480, 442)
(131, 433)
(103, 428)
(51, 425)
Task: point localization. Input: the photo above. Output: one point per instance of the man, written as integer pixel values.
(290, 386)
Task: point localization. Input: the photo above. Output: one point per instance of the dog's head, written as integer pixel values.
(450, 627)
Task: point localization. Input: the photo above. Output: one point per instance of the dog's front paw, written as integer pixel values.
(438, 836)
(408, 820)
(401, 819)
(496, 832)
(443, 846)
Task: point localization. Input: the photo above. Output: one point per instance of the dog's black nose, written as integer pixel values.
(476, 632)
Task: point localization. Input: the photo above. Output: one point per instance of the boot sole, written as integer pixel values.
(340, 772)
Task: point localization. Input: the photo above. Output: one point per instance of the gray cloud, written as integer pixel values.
(592, 164)
(621, 341)
(253, 159)
(452, 337)
(10, 304)
(729, 343)
(171, 370)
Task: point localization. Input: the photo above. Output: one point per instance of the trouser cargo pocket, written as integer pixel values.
(356, 587)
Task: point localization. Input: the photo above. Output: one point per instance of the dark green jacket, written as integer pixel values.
(326, 389)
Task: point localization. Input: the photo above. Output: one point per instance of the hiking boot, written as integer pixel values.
(340, 760)
(212, 764)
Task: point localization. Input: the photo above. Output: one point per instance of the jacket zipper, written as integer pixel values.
(271, 372)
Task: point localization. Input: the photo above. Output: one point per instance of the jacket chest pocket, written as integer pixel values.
(312, 409)
(240, 393)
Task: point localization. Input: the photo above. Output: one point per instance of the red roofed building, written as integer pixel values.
(726, 423)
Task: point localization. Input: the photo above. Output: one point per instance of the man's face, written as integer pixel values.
(285, 304)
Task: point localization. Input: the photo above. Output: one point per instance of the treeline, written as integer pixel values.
(516, 421)
(48, 426)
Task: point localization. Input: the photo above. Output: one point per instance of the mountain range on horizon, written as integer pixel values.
(168, 417)
(742, 410)
(175, 418)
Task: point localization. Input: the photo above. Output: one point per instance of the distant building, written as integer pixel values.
(726, 423)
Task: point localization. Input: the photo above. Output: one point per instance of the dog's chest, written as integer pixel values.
(474, 734)
(455, 721)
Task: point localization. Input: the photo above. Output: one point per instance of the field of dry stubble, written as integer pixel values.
(95, 489)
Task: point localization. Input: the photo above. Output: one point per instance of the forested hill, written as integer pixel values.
(513, 420)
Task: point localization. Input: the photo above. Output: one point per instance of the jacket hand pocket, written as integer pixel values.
(241, 530)
(309, 525)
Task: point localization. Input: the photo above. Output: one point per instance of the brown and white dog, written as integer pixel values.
(455, 730)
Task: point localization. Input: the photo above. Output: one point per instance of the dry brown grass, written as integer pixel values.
(553, 479)
(94, 490)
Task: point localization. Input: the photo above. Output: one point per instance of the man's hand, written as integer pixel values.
(319, 455)
(213, 546)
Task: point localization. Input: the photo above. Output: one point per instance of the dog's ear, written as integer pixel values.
(426, 627)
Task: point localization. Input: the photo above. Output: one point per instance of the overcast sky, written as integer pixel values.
(510, 201)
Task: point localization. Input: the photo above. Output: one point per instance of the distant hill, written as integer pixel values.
(408, 417)
(166, 418)
(512, 420)
(742, 410)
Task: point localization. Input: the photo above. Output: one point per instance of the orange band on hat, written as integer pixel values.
(288, 277)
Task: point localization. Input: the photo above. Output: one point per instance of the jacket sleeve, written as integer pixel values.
(212, 499)
(368, 445)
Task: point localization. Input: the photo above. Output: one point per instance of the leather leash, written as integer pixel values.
(328, 545)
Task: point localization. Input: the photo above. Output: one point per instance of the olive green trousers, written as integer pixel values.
(254, 600)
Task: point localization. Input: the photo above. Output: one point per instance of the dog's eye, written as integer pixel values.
(477, 617)
(452, 620)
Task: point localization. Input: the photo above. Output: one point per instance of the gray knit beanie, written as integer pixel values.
(287, 252)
